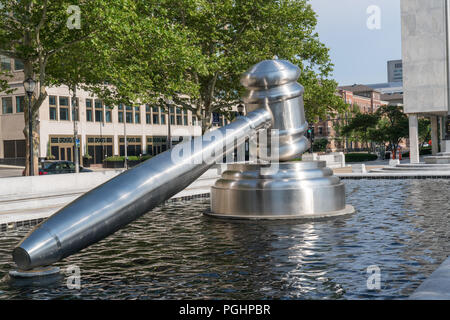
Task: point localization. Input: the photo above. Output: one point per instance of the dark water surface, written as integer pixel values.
(175, 252)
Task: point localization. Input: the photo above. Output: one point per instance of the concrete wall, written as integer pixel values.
(53, 184)
(424, 55)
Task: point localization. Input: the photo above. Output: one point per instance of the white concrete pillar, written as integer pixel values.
(434, 135)
(413, 138)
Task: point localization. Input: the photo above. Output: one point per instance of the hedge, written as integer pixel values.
(130, 158)
(360, 157)
(423, 151)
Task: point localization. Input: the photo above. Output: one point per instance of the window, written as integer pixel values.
(129, 114)
(194, 121)
(7, 106)
(155, 118)
(98, 111)
(148, 118)
(14, 148)
(64, 108)
(89, 110)
(75, 109)
(137, 115)
(108, 116)
(172, 119)
(5, 63)
(120, 113)
(179, 120)
(185, 120)
(163, 119)
(20, 103)
(18, 65)
(52, 107)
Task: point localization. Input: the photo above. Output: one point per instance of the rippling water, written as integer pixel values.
(401, 226)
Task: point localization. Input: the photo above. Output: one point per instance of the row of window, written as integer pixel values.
(8, 107)
(59, 109)
(6, 64)
(96, 111)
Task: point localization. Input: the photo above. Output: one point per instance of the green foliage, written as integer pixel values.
(130, 158)
(360, 157)
(233, 35)
(4, 86)
(360, 127)
(424, 130)
(320, 145)
(387, 125)
(422, 151)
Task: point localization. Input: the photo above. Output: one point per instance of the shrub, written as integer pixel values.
(320, 145)
(423, 151)
(114, 158)
(130, 158)
(145, 157)
(360, 157)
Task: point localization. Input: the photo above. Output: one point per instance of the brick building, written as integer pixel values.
(365, 98)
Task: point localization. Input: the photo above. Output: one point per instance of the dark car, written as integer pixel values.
(58, 167)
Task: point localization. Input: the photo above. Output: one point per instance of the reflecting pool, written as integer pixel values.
(176, 252)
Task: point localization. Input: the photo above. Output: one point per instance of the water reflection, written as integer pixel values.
(175, 252)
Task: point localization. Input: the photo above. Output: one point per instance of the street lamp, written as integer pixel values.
(29, 86)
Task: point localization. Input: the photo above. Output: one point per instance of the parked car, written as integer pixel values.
(58, 167)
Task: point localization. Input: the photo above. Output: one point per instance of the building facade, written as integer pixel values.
(101, 129)
(366, 99)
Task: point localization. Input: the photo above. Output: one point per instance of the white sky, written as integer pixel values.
(359, 54)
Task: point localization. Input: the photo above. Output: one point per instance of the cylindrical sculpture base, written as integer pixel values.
(291, 190)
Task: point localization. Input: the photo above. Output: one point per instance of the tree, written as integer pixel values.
(36, 31)
(392, 127)
(4, 85)
(424, 131)
(320, 145)
(360, 128)
(233, 35)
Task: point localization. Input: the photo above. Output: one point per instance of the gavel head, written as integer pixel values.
(272, 84)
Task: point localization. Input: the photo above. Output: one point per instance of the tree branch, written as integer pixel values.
(66, 45)
(43, 18)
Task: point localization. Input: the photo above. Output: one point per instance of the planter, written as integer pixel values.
(132, 163)
(87, 162)
(113, 164)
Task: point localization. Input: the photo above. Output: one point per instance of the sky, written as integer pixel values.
(359, 53)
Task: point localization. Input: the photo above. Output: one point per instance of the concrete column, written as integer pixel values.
(434, 135)
(413, 138)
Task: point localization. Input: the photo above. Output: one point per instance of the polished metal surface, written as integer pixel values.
(126, 197)
(271, 84)
(274, 100)
(295, 190)
(289, 190)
